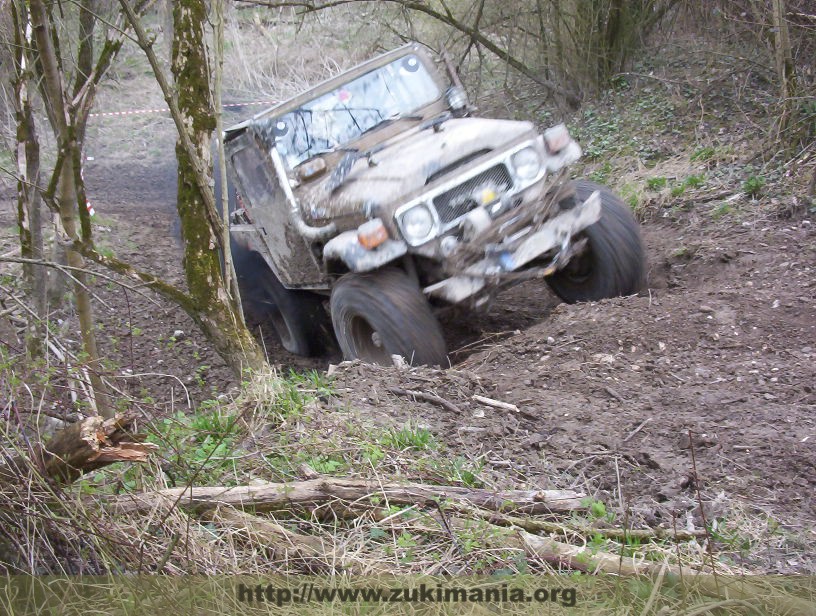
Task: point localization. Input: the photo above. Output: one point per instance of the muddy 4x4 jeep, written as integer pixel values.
(378, 191)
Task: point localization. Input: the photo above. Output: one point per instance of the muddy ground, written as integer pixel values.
(701, 387)
(705, 380)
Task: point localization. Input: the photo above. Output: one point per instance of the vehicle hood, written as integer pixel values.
(400, 168)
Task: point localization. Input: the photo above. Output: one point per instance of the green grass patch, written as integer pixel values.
(408, 437)
(602, 174)
(199, 445)
(632, 195)
(105, 251)
(703, 154)
(692, 181)
(753, 186)
(656, 183)
(721, 211)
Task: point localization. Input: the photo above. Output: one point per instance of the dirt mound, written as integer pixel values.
(702, 387)
(704, 381)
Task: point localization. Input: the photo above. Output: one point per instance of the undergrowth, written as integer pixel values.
(658, 138)
(294, 427)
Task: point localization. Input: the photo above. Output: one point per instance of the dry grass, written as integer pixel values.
(286, 428)
(278, 429)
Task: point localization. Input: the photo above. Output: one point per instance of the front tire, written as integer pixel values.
(613, 263)
(383, 313)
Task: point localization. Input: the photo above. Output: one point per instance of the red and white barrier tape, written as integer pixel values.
(91, 210)
(88, 206)
(165, 109)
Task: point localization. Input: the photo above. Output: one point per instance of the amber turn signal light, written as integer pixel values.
(372, 233)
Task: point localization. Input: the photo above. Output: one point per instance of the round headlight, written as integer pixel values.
(526, 163)
(417, 223)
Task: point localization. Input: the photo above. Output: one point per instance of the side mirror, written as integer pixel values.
(457, 100)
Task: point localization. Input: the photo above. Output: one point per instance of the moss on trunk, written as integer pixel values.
(202, 265)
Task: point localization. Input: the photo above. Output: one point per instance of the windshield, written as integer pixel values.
(341, 116)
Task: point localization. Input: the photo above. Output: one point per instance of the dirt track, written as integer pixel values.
(711, 371)
(713, 368)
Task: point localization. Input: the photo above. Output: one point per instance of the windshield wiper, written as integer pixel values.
(436, 121)
(388, 121)
(343, 168)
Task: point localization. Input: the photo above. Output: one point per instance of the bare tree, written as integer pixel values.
(68, 99)
(785, 67)
(208, 301)
(29, 202)
(230, 279)
(67, 87)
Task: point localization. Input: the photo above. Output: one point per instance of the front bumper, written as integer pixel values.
(516, 253)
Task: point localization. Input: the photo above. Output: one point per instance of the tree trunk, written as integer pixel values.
(66, 191)
(67, 200)
(29, 202)
(202, 265)
(786, 74)
(230, 278)
(785, 69)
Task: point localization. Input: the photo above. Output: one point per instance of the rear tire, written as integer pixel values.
(298, 317)
(383, 313)
(613, 262)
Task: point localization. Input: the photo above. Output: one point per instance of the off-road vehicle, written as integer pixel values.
(377, 197)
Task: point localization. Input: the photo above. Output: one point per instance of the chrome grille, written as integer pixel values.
(459, 200)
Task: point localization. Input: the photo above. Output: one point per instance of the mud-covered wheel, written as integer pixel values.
(383, 313)
(298, 317)
(613, 261)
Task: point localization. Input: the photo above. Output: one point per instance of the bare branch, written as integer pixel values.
(67, 269)
(447, 18)
(172, 102)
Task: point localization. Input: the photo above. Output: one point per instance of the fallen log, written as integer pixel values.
(81, 447)
(271, 496)
(584, 558)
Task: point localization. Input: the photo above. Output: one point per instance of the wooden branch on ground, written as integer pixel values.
(497, 404)
(545, 526)
(427, 397)
(583, 558)
(283, 495)
(84, 446)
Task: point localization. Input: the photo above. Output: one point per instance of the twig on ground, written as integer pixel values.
(545, 526)
(496, 404)
(614, 394)
(638, 429)
(427, 397)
